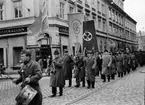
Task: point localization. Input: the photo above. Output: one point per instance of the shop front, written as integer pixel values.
(12, 41)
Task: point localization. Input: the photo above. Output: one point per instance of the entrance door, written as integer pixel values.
(16, 55)
(1, 56)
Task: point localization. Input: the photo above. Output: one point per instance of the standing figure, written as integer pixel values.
(90, 69)
(67, 67)
(107, 61)
(99, 64)
(57, 74)
(31, 75)
(113, 66)
(120, 63)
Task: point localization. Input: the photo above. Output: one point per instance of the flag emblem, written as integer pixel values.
(87, 36)
(76, 26)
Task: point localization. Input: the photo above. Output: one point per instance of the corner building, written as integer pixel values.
(111, 22)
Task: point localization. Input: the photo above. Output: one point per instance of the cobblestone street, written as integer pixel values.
(121, 91)
(126, 91)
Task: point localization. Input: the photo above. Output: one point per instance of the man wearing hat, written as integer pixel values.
(57, 74)
(90, 69)
(67, 67)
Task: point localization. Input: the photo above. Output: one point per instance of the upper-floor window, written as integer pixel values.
(71, 9)
(61, 10)
(99, 22)
(94, 17)
(18, 9)
(98, 5)
(110, 14)
(103, 9)
(1, 11)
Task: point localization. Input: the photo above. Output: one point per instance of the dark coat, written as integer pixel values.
(90, 69)
(57, 76)
(113, 65)
(32, 69)
(120, 63)
(67, 66)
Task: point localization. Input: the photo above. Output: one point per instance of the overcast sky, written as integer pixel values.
(136, 9)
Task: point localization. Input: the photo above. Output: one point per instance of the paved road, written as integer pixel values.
(81, 96)
(126, 91)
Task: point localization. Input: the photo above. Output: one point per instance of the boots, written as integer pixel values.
(93, 84)
(104, 78)
(88, 84)
(108, 76)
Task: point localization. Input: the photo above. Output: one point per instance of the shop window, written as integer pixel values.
(16, 55)
(1, 11)
(18, 8)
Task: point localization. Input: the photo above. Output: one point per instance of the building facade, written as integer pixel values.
(141, 40)
(111, 23)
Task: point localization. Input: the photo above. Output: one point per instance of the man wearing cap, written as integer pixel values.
(57, 74)
(67, 67)
(90, 69)
(30, 74)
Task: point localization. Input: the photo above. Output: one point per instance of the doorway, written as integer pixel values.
(1, 56)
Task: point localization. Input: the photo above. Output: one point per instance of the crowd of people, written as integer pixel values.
(84, 67)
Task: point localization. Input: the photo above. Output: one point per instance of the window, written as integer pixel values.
(71, 9)
(110, 14)
(1, 11)
(110, 27)
(18, 9)
(98, 5)
(104, 25)
(79, 10)
(93, 16)
(61, 10)
(99, 22)
(103, 9)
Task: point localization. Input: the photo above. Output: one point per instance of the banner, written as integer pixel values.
(75, 30)
(89, 36)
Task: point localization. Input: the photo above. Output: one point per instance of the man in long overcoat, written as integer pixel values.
(30, 74)
(67, 67)
(120, 63)
(107, 61)
(90, 69)
(57, 74)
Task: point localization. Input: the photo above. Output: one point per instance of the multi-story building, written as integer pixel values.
(141, 40)
(111, 22)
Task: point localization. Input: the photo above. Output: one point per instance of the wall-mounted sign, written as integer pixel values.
(63, 30)
(13, 30)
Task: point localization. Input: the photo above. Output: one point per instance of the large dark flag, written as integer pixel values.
(89, 36)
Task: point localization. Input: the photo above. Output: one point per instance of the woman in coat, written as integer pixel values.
(57, 74)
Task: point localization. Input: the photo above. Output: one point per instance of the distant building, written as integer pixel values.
(141, 40)
(111, 22)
